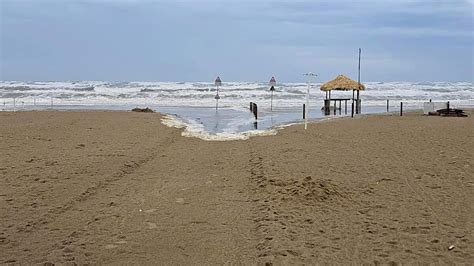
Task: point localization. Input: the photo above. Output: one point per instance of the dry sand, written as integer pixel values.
(114, 187)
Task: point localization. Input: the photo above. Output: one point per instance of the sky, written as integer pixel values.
(239, 40)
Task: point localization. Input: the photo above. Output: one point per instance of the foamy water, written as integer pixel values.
(192, 104)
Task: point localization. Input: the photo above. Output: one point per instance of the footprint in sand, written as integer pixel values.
(150, 210)
(180, 200)
(151, 225)
(110, 246)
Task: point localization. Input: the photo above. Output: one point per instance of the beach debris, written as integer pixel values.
(451, 247)
(142, 110)
(179, 200)
(140, 210)
(151, 225)
(150, 210)
(449, 112)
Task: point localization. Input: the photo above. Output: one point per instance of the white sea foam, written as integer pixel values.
(195, 97)
(196, 130)
(233, 94)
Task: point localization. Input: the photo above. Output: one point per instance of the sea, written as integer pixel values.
(193, 105)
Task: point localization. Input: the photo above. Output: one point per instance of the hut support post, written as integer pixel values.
(345, 107)
(340, 109)
(352, 109)
(358, 107)
(327, 107)
(335, 107)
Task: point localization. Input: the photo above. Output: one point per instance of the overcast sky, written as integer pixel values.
(164, 40)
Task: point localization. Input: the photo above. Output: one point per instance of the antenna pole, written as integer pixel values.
(358, 89)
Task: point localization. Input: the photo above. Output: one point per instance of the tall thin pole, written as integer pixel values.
(307, 105)
(307, 99)
(358, 79)
(217, 82)
(358, 82)
(271, 102)
(217, 96)
(272, 84)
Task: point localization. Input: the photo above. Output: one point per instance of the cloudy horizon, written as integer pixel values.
(409, 40)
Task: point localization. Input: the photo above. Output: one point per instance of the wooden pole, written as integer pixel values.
(304, 111)
(334, 107)
(340, 109)
(327, 107)
(387, 105)
(352, 108)
(345, 107)
(255, 111)
(401, 108)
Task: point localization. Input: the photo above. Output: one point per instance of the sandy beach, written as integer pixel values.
(120, 187)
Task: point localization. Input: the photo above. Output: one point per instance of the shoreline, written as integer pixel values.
(121, 187)
(190, 130)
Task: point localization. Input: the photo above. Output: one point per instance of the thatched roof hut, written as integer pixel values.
(343, 83)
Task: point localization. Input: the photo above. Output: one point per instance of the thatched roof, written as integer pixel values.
(343, 83)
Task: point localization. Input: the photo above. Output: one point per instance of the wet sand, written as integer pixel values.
(117, 187)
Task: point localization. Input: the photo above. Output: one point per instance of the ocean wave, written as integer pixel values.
(233, 94)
